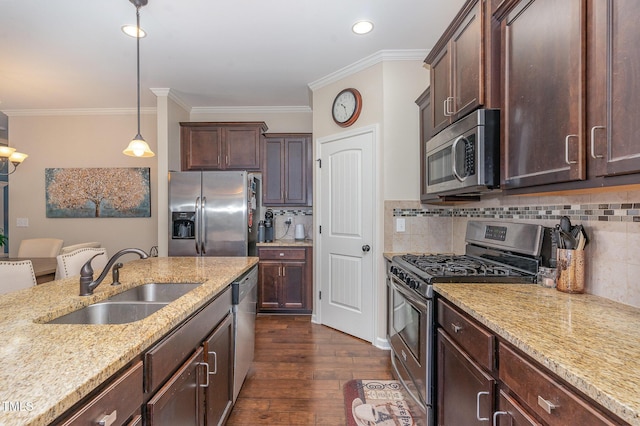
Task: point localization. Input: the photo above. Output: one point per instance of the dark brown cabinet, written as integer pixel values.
(287, 170)
(544, 78)
(221, 146)
(284, 281)
(484, 380)
(613, 70)
(218, 358)
(464, 65)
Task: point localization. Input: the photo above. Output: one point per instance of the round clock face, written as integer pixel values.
(346, 107)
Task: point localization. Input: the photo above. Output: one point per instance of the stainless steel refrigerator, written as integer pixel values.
(213, 213)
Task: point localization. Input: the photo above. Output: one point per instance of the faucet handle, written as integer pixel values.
(116, 273)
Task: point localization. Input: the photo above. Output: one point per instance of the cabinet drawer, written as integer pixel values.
(282, 254)
(162, 360)
(119, 400)
(476, 341)
(546, 397)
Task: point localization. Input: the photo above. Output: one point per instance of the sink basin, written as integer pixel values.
(154, 292)
(132, 305)
(110, 313)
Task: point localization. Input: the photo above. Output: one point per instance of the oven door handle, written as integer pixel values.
(409, 295)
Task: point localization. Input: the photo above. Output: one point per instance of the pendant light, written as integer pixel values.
(138, 147)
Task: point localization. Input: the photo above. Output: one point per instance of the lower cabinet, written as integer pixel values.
(284, 281)
(483, 380)
(218, 388)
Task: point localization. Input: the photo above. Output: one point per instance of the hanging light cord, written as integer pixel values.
(138, 63)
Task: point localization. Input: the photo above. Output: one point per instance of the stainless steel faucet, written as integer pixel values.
(88, 284)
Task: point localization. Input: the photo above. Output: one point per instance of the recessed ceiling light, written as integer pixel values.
(362, 27)
(131, 31)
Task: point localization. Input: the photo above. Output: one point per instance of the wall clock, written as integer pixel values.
(346, 107)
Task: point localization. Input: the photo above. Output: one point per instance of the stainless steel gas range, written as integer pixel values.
(496, 252)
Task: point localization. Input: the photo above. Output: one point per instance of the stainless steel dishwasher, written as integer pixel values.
(244, 298)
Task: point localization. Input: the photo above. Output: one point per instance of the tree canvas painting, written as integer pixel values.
(98, 192)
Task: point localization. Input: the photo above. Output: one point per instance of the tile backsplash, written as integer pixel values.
(611, 221)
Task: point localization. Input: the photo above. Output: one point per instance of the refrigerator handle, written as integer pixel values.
(197, 230)
(203, 242)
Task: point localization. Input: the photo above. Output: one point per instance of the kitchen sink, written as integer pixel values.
(154, 292)
(131, 305)
(110, 313)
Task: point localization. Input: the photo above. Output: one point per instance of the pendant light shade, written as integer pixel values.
(138, 147)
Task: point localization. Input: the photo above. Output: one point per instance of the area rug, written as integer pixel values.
(377, 402)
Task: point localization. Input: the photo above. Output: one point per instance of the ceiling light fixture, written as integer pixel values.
(362, 27)
(9, 155)
(133, 31)
(138, 147)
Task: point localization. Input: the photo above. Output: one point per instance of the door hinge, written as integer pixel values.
(320, 229)
(319, 160)
(320, 295)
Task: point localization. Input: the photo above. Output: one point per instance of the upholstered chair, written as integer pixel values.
(40, 247)
(74, 247)
(69, 264)
(16, 275)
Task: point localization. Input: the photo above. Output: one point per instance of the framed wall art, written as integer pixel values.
(97, 192)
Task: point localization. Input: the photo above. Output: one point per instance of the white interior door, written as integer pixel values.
(347, 201)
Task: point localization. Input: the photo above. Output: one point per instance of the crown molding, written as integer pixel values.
(364, 63)
(171, 94)
(251, 109)
(77, 111)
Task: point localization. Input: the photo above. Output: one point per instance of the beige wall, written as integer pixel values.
(77, 141)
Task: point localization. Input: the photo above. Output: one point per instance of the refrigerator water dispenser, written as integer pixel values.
(183, 225)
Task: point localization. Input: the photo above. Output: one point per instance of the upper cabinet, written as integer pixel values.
(544, 78)
(221, 146)
(287, 170)
(464, 65)
(571, 83)
(613, 71)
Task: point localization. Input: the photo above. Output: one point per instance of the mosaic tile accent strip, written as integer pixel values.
(625, 212)
(300, 212)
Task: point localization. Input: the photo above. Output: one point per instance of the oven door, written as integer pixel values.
(411, 340)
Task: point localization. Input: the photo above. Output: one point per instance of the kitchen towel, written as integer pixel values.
(379, 402)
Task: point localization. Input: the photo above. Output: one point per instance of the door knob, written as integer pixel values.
(366, 248)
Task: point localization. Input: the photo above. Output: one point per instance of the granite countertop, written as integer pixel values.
(287, 242)
(591, 342)
(46, 368)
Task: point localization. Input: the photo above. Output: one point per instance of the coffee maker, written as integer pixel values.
(269, 226)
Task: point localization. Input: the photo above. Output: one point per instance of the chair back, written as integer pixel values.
(16, 275)
(40, 247)
(74, 247)
(70, 264)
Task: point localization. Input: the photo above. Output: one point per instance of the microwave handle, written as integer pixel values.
(453, 159)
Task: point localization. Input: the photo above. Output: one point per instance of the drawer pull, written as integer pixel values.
(481, 419)
(495, 416)
(547, 406)
(109, 419)
(456, 328)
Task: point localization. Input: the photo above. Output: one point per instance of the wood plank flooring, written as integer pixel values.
(299, 370)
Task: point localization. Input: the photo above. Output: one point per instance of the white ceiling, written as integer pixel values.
(71, 54)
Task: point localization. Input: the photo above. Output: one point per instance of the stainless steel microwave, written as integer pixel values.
(464, 158)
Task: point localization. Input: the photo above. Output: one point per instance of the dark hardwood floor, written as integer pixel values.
(299, 370)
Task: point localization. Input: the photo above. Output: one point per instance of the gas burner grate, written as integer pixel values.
(438, 265)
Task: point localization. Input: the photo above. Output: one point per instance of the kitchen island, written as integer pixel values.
(47, 368)
(590, 342)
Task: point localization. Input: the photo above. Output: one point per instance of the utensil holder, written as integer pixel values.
(570, 271)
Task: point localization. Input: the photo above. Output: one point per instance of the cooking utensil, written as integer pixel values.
(565, 224)
(568, 240)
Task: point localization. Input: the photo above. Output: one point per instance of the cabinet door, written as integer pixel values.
(544, 80)
(465, 391)
(292, 291)
(242, 148)
(218, 354)
(296, 172)
(268, 285)
(201, 148)
(273, 172)
(440, 91)
(467, 64)
(614, 87)
(179, 401)
(510, 413)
